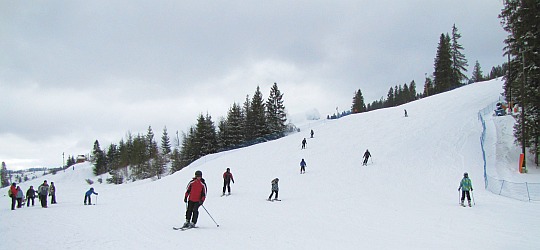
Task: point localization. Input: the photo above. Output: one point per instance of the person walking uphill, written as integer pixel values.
(88, 196)
(12, 192)
(275, 189)
(227, 178)
(304, 142)
(466, 187)
(367, 154)
(194, 197)
(43, 191)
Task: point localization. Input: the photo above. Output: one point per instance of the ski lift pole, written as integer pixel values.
(210, 215)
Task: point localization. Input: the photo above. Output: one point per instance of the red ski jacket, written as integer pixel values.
(196, 190)
(227, 177)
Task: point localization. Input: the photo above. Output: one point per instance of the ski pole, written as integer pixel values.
(96, 200)
(210, 215)
(371, 160)
(472, 194)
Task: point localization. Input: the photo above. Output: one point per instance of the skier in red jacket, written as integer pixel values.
(194, 197)
(227, 178)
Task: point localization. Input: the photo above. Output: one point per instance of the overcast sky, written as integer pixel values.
(72, 72)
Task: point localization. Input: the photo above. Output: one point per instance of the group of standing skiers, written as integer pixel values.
(18, 198)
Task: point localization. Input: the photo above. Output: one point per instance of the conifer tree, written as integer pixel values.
(428, 87)
(412, 91)
(4, 175)
(521, 20)
(165, 142)
(358, 105)
(390, 98)
(477, 75)
(459, 62)
(99, 159)
(275, 113)
(255, 117)
(443, 66)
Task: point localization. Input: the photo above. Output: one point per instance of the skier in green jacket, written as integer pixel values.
(466, 187)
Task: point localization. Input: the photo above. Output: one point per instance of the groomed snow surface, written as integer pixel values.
(405, 198)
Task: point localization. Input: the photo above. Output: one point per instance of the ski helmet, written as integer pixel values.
(198, 173)
(465, 174)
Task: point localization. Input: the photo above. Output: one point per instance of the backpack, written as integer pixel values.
(10, 193)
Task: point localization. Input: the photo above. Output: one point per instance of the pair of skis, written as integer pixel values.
(183, 228)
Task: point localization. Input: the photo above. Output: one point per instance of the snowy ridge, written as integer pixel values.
(406, 198)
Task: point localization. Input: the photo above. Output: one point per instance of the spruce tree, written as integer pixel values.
(275, 112)
(390, 98)
(477, 75)
(459, 62)
(99, 159)
(358, 105)
(521, 20)
(165, 142)
(255, 118)
(4, 175)
(443, 65)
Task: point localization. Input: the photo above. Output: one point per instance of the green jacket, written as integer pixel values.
(465, 184)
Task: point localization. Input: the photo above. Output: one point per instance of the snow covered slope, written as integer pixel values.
(406, 198)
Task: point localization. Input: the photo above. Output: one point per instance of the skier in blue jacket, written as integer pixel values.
(87, 196)
(303, 165)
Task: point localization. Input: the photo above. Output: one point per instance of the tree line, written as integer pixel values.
(522, 86)
(450, 65)
(140, 157)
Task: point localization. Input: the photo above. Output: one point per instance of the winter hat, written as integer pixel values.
(465, 174)
(198, 173)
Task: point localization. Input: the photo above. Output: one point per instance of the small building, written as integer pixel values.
(81, 158)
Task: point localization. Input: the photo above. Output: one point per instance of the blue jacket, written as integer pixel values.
(90, 192)
(303, 163)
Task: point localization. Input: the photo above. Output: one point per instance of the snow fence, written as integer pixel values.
(524, 191)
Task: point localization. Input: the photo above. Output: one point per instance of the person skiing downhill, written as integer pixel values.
(227, 178)
(303, 165)
(304, 142)
(366, 157)
(466, 187)
(312, 133)
(275, 189)
(87, 196)
(194, 197)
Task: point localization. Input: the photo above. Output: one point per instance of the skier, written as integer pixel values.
(275, 189)
(466, 187)
(405, 113)
(43, 190)
(366, 157)
(20, 197)
(194, 197)
(12, 192)
(304, 143)
(88, 196)
(312, 133)
(227, 178)
(52, 193)
(303, 166)
(30, 196)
